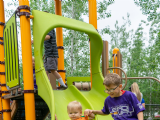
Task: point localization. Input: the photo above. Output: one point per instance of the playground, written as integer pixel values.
(36, 104)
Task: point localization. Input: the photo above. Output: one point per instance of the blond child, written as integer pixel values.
(74, 110)
(136, 91)
(122, 105)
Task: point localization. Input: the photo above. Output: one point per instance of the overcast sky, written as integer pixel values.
(118, 9)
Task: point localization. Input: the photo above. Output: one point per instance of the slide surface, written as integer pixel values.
(57, 100)
(93, 99)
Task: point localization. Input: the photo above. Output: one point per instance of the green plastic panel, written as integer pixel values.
(57, 100)
(11, 53)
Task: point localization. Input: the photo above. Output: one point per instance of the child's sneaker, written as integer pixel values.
(62, 87)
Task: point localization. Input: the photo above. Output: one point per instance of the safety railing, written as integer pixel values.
(11, 53)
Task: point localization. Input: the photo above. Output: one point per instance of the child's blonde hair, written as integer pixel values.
(74, 104)
(135, 89)
(112, 78)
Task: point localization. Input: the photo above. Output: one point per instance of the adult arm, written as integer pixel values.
(140, 116)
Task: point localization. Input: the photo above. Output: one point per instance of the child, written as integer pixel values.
(51, 56)
(122, 105)
(74, 110)
(138, 94)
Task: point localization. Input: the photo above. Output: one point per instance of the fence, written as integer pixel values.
(151, 111)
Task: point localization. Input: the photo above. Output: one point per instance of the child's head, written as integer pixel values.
(135, 89)
(112, 83)
(33, 62)
(74, 110)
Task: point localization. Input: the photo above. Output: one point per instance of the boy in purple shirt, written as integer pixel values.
(122, 105)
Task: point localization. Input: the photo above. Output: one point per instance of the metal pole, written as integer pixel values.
(27, 63)
(5, 102)
(59, 38)
(92, 4)
(105, 62)
(114, 56)
(143, 78)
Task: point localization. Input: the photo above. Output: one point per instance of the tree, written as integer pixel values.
(120, 38)
(150, 8)
(77, 42)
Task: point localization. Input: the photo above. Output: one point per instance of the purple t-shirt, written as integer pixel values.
(125, 107)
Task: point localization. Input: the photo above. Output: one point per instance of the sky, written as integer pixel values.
(119, 9)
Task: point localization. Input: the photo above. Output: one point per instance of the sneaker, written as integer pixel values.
(62, 87)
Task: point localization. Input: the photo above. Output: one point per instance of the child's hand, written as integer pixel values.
(91, 116)
(88, 113)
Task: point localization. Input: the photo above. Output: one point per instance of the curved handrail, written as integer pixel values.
(124, 74)
(143, 78)
(126, 78)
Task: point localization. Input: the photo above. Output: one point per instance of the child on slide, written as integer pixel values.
(122, 105)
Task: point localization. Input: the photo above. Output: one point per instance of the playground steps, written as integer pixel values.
(18, 108)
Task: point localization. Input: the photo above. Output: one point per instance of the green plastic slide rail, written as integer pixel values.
(11, 53)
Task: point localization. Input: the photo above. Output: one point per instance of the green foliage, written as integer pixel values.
(150, 8)
(138, 59)
(102, 9)
(120, 38)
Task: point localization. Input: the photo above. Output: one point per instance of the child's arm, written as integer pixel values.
(140, 116)
(91, 113)
(47, 37)
(98, 112)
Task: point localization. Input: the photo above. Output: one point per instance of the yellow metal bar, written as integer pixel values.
(5, 103)
(59, 38)
(27, 63)
(92, 4)
(115, 50)
(31, 16)
(93, 13)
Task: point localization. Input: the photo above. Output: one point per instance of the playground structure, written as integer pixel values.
(33, 104)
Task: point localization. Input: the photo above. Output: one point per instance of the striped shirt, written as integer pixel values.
(51, 45)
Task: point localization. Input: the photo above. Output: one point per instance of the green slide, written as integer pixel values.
(57, 100)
